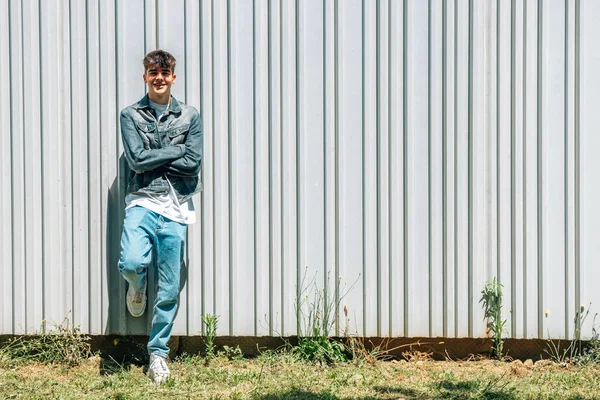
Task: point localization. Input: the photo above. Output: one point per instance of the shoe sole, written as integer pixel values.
(133, 314)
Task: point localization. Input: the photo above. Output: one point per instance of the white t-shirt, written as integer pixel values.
(166, 205)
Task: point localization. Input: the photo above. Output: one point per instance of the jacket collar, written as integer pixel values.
(145, 103)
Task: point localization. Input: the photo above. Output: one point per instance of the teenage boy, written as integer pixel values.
(163, 140)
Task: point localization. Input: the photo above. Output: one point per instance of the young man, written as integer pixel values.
(163, 141)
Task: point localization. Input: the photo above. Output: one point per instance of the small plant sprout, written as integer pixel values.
(491, 297)
(210, 322)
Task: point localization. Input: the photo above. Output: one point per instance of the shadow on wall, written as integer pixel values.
(118, 319)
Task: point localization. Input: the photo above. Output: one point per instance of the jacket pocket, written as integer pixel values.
(180, 130)
(146, 130)
(178, 134)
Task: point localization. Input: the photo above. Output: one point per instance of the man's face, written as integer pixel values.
(159, 81)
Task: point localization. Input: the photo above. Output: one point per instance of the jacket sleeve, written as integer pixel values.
(189, 165)
(139, 158)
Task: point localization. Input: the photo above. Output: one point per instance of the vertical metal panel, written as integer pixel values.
(371, 278)
(481, 260)
(34, 196)
(393, 312)
(504, 138)
(449, 169)
(462, 195)
(262, 162)
(553, 165)
(17, 267)
(330, 111)
(518, 281)
(80, 167)
(437, 277)
(241, 63)
(194, 290)
(310, 141)
(290, 270)
(589, 81)
(395, 154)
(350, 158)
(571, 163)
(6, 272)
(275, 317)
(530, 164)
(220, 134)
(417, 296)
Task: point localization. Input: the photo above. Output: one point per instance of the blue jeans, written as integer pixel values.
(143, 232)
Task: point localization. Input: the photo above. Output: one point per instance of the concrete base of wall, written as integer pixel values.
(127, 348)
(120, 347)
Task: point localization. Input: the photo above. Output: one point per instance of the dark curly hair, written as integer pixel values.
(159, 59)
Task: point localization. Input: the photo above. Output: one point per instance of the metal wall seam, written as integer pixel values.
(577, 151)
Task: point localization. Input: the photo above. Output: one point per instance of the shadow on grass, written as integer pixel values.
(297, 394)
(454, 390)
(123, 352)
(404, 392)
(111, 366)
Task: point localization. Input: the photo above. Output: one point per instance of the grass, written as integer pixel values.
(53, 344)
(281, 376)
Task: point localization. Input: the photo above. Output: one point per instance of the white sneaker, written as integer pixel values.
(158, 370)
(136, 301)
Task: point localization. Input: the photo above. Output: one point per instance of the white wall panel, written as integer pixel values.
(588, 120)
(6, 210)
(416, 149)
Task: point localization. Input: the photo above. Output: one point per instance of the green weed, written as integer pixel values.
(317, 315)
(210, 322)
(590, 352)
(491, 297)
(61, 344)
(574, 351)
(232, 353)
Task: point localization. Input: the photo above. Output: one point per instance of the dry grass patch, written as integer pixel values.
(275, 377)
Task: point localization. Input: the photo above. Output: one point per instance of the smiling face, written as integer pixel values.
(159, 81)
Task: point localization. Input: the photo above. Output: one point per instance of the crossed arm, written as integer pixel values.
(189, 164)
(179, 160)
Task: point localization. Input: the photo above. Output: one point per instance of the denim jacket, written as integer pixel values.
(170, 147)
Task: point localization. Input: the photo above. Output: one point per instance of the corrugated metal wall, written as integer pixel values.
(413, 148)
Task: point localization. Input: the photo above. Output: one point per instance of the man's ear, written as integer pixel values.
(144, 76)
(174, 78)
